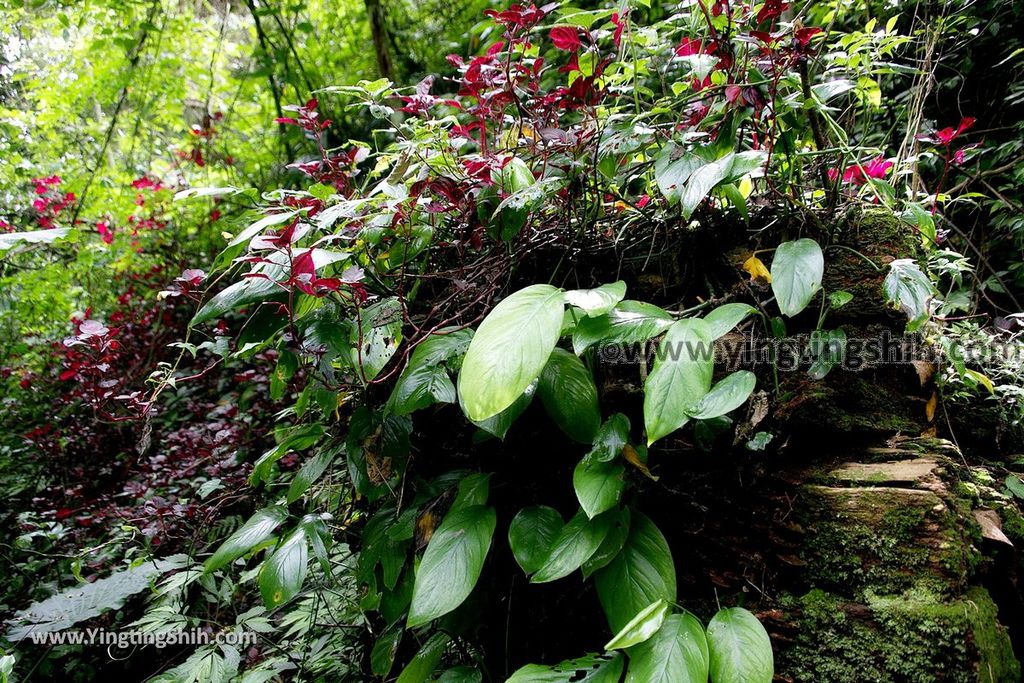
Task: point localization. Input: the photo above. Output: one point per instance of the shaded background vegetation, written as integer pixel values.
(109, 108)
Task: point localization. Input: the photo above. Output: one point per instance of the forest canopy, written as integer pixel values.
(465, 341)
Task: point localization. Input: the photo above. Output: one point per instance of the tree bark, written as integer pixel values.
(379, 31)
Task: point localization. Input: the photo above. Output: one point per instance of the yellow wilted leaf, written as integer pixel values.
(978, 377)
(633, 458)
(929, 408)
(757, 270)
(746, 186)
(425, 527)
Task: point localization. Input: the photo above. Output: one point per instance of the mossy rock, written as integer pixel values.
(891, 564)
(882, 538)
(915, 637)
(874, 402)
(876, 235)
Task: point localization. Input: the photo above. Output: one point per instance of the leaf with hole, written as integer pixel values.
(587, 669)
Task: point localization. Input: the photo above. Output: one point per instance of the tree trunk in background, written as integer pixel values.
(379, 31)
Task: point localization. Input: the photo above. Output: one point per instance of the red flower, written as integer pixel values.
(858, 175)
(948, 135)
(566, 38)
(103, 228)
(877, 168)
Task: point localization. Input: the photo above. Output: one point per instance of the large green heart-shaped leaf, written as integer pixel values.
(629, 322)
(677, 653)
(284, 572)
(726, 317)
(740, 649)
(796, 272)
(642, 573)
(726, 396)
(509, 350)
(599, 485)
(598, 301)
(425, 380)
(452, 563)
(574, 544)
(588, 669)
(680, 377)
(425, 661)
(569, 395)
(531, 534)
(256, 530)
(498, 425)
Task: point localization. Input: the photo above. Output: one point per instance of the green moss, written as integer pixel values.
(880, 237)
(913, 638)
(1013, 524)
(850, 403)
(884, 541)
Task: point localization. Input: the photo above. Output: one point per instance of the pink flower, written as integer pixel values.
(877, 168)
(859, 174)
(947, 135)
(103, 228)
